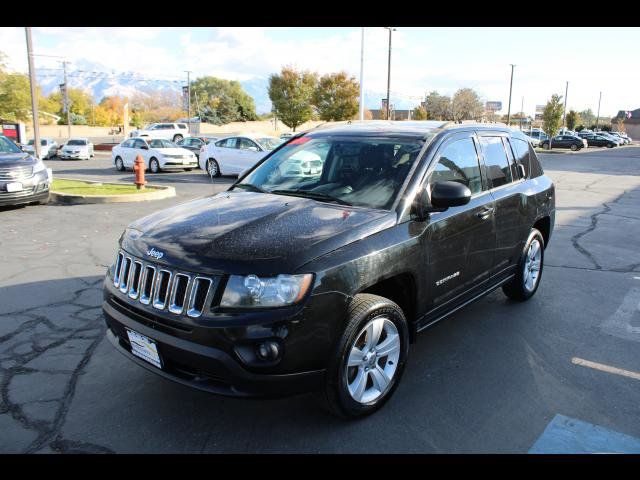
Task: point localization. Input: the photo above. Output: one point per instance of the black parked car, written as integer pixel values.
(284, 284)
(564, 141)
(595, 140)
(196, 143)
(23, 177)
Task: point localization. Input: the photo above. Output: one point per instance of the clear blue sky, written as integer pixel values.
(423, 59)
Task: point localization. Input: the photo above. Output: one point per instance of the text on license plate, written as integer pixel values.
(144, 347)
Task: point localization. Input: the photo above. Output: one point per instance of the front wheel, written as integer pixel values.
(177, 138)
(523, 286)
(546, 146)
(369, 359)
(574, 148)
(610, 145)
(154, 166)
(119, 164)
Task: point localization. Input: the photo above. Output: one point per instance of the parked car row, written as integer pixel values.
(577, 140)
(77, 148)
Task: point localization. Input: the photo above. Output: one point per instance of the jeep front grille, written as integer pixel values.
(163, 289)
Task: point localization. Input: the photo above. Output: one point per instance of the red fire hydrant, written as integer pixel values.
(139, 168)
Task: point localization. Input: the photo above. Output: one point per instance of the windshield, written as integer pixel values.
(269, 143)
(7, 146)
(77, 142)
(366, 172)
(160, 143)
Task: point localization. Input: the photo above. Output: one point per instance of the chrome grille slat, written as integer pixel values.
(15, 173)
(145, 297)
(125, 274)
(136, 271)
(162, 291)
(179, 293)
(174, 306)
(199, 283)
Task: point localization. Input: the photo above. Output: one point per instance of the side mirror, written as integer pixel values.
(443, 196)
(449, 194)
(145, 147)
(253, 149)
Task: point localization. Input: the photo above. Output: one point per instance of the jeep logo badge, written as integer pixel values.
(155, 254)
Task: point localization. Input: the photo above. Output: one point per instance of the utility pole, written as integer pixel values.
(391, 29)
(189, 98)
(598, 117)
(34, 98)
(521, 112)
(67, 106)
(510, 89)
(564, 114)
(362, 76)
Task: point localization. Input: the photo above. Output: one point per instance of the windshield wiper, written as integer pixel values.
(312, 195)
(249, 186)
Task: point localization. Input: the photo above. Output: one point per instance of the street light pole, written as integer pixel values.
(510, 90)
(391, 29)
(362, 76)
(564, 114)
(189, 99)
(66, 99)
(34, 98)
(598, 117)
(521, 112)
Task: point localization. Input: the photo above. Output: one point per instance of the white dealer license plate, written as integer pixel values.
(14, 187)
(144, 347)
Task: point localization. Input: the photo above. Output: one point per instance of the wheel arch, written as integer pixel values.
(544, 226)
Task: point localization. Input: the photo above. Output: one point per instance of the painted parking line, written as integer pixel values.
(568, 435)
(605, 368)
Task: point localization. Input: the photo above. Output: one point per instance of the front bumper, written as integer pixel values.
(178, 165)
(34, 189)
(75, 156)
(204, 367)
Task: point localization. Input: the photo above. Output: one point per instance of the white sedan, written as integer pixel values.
(234, 155)
(77, 148)
(158, 155)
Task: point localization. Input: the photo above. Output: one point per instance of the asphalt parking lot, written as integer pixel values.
(497, 376)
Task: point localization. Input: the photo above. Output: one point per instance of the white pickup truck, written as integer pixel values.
(167, 131)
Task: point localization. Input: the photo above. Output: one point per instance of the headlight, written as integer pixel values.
(252, 291)
(39, 167)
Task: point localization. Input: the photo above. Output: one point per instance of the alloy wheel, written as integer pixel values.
(532, 265)
(373, 360)
(212, 167)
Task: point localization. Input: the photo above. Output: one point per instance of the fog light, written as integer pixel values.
(268, 351)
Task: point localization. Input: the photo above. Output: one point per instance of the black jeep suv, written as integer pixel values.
(320, 281)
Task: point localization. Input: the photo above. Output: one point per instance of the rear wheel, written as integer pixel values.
(177, 138)
(154, 166)
(367, 364)
(609, 145)
(213, 169)
(546, 146)
(524, 285)
(119, 164)
(574, 148)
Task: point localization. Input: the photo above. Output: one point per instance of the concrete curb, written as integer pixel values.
(154, 192)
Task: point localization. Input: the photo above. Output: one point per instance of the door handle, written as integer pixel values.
(485, 213)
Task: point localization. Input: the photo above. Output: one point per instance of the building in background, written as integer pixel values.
(631, 122)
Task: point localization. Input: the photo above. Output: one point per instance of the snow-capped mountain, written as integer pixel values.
(99, 82)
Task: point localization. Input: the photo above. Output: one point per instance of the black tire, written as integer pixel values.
(177, 138)
(212, 165)
(119, 164)
(545, 146)
(362, 310)
(188, 169)
(574, 148)
(516, 289)
(44, 201)
(609, 145)
(154, 166)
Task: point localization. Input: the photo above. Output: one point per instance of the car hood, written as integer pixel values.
(20, 159)
(246, 232)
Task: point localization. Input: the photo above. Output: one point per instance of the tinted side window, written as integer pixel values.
(128, 144)
(458, 162)
(521, 150)
(514, 173)
(245, 144)
(138, 144)
(495, 158)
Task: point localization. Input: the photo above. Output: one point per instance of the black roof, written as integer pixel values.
(417, 129)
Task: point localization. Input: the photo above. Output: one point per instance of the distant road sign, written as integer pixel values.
(493, 106)
(540, 108)
(538, 116)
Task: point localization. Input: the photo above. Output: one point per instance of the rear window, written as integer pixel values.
(495, 157)
(77, 142)
(182, 126)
